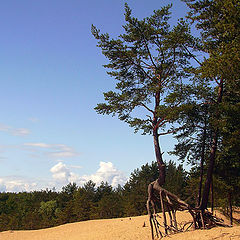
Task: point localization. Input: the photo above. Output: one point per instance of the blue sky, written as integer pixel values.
(51, 78)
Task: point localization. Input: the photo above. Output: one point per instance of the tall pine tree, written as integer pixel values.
(149, 61)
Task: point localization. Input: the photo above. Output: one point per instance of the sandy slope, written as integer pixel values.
(120, 228)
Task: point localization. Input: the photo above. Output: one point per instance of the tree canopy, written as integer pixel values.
(150, 61)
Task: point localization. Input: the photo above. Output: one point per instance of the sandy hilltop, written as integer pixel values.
(134, 228)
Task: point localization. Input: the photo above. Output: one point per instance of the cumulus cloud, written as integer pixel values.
(53, 150)
(62, 174)
(14, 131)
(16, 184)
(107, 172)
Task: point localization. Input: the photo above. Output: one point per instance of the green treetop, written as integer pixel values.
(149, 61)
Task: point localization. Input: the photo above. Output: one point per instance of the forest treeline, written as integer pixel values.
(48, 208)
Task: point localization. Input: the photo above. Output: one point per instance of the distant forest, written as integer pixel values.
(48, 208)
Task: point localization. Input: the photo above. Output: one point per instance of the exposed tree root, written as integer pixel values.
(170, 203)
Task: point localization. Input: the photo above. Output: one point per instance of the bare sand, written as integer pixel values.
(120, 228)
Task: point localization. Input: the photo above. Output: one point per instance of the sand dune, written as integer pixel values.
(120, 228)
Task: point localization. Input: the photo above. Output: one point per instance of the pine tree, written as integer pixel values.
(218, 22)
(149, 62)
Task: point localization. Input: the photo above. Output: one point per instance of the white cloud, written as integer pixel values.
(41, 145)
(54, 150)
(106, 173)
(16, 184)
(62, 175)
(14, 131)
(20, 132)
(63, 154)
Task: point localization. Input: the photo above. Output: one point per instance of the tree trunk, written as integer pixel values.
(158, 154)
(230, 207)
(201, 164)
(212, 197)
(206, 189)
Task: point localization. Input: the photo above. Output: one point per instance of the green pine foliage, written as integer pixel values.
(47, 208)
(218, 23)
(149, 62)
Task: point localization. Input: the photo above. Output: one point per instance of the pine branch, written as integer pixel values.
(149, 53)
(170, 131)
(146, 107)
(192, 56)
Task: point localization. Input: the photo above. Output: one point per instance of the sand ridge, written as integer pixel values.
(120, 228)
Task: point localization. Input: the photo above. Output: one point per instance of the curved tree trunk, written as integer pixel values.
(158, 154)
